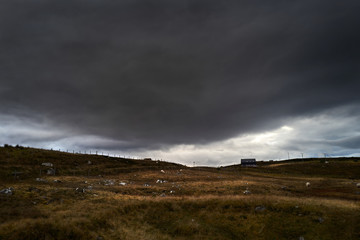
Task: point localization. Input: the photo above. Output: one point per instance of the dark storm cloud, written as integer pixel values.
(151, 73)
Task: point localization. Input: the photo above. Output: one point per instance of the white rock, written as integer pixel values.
(358, 185)
(7, 191)
(260, 208)
(47, 164)
(246, 192)
(162, 171)
(307, 184)
(40, 180)
(50, 171)
(109, 182)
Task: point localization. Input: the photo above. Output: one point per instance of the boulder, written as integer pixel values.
(50, 171)
(47, 164)
(80, 190)
(7, 191)
(260, 209)
(246, 192)
(40, 180)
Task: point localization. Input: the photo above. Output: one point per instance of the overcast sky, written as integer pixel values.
(199, 81)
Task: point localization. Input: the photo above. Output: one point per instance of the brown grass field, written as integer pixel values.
(116, 198)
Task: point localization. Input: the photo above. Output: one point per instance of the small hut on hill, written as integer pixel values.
(248, 162)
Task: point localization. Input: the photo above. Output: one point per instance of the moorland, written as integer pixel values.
(47, 194)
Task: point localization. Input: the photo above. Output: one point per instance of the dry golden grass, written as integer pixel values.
(193, 203)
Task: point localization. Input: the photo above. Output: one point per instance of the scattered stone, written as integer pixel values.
(284, 188)
(246, 192)
(90, 188)
(163, 195)
(320, 220)
(89, 162)
(57, 181)
(99, 238)
(50, 171)
(172, 191)
(260, 209)
(85, 182)
(301, 238)
(122, 183)
(7, 191)
(146, 185)
(162, 171)
(358, 185)
(40, 180)
(47, 164)
(80, 190)
(109, 182)
(326, 162)
(161, 181)
(307, 184)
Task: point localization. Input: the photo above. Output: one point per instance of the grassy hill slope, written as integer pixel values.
(115, 198)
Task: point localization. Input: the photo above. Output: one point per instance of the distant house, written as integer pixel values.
(248, 162)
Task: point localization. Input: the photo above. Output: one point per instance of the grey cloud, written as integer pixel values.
(350, 142)
(147, 74)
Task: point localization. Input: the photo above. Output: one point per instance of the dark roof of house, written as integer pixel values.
(248, 161)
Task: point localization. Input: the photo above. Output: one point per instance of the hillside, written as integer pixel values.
(100, 197)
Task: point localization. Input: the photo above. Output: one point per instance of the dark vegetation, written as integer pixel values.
(117, 198)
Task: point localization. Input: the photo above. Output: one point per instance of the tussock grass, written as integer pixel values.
(194, 203)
